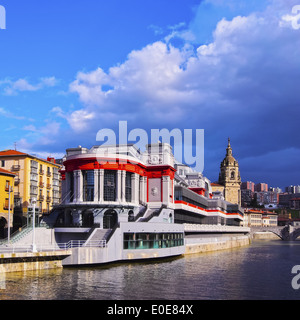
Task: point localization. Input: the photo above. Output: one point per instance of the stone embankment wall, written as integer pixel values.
(19, 262)
(265, 236)
(201, 245)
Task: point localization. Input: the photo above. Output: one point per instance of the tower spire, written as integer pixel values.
(229, 177)
(229, 149)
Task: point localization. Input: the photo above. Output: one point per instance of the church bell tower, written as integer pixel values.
(230, 177)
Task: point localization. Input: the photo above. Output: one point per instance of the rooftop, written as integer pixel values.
(6, 172)
(12, 153)
(15, 153)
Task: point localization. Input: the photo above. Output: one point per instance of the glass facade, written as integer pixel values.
(152, 240)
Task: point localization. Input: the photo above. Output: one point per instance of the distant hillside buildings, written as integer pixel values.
(259, 194)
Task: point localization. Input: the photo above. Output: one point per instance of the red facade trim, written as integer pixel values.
(119, 164)
(203, 209)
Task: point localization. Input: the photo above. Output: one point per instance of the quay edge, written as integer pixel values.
(29, 261)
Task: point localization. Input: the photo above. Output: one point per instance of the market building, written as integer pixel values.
(105, 185)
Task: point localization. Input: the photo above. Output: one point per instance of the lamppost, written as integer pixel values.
(10, 190)
(33, 202)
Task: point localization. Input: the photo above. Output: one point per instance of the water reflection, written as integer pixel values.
(260, 271)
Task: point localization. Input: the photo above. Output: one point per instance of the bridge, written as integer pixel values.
(286, 233)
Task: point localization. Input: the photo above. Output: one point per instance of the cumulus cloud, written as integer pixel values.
(249, 60)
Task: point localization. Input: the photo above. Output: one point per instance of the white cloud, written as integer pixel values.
(48, 82)
(9, 114)
(79, 119)
(147, 80)
(45, 134)
(21, 85)
(59, 112)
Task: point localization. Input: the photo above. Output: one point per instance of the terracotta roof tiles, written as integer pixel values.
(6, 172)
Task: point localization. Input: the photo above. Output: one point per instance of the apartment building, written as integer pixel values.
(6, 200)
(260, 218)
(261, 187)
(34, 178)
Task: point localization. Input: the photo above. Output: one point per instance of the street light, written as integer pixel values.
(33, 202)
(10, 190)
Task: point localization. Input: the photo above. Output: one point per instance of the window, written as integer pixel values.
(232, 175)
(152, 240)
(2, 163)
(5, 207)
(109, 185)
(130, 216)
(7, 184)
(88, 185)
(128, 187)
(71, 176)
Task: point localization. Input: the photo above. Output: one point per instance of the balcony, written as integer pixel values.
(33, 192)
(17, 181)
(55, 176)
(48, 199)
(48, 174)
(33, 177)
(41, 171)
(16, 167)
(34, 171)
(33, 164)
(41, 198)
(41, 184)
(48, 185)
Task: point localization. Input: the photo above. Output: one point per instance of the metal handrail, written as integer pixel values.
(55, 247)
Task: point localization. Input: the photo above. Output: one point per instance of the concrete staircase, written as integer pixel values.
(98, 235)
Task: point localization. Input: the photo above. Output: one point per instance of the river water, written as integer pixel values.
(259, 271)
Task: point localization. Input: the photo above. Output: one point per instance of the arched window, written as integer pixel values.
(232, 175)
(110, 219)
(130, 216)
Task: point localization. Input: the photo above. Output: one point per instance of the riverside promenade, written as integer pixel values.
(206, 238)
(22, 255)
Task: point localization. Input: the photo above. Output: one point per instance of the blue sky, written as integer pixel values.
(70, 68)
